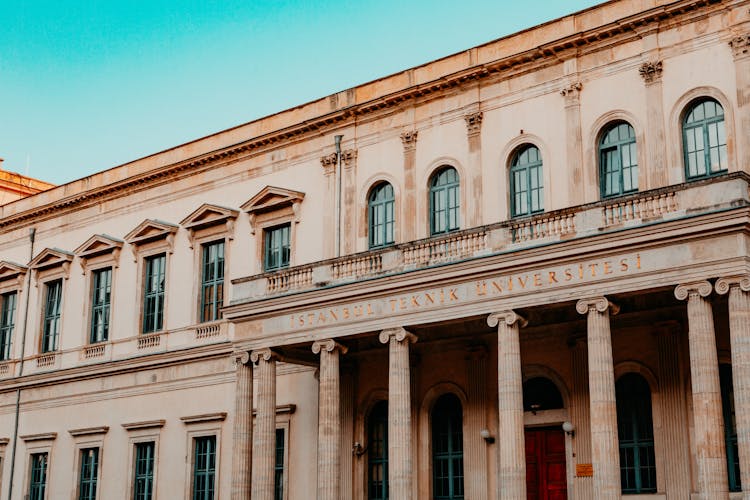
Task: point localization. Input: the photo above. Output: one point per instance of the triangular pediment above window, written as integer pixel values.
(97, 245)
(272, 198)
(11, 270)
(208, 215)
(51, 257)
(151, 230)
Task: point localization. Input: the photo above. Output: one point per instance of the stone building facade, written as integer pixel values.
(520, 271)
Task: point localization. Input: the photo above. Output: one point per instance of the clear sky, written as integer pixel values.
(86, 85)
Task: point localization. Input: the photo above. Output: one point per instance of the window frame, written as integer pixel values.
(134, 475)
(7, 329)
(433, 190)
(452, 455)
(144, 330)
(216, 282)
(30, 484)
(106, 306)
(138, 433)
(57, 317)
(526, 170)
(374, 207)
(384, 458)
(90, 480)
(637, 443)
(730, 427)
(209, 472)
(617, 148)
(268, 247)
(198, 426)
(704, 125)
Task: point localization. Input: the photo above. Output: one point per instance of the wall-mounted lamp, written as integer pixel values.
(358, 450)
(569, 429)
(535, 407)
(485, 434)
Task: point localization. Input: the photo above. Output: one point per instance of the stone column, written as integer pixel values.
(473, 129)
(580, 416)
(329, 419)
(399, 413)
(475, 448)
(656, 169)
(710, 451)
(264, 445)
(577, 184)
(510, 404)
(739, 335)
(740, 45)
(409, 228)
(242, 430)
(605, 450)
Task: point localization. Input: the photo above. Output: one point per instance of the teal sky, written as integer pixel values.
(88, 85)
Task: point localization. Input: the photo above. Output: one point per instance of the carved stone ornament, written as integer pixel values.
(151, 230)
(328, 162)
(265, 354)
(49, 258)
(12, 271)
(348, 157)
(328, 345)
(507, 317)
(409, 139)
(600, 304)
(97, 245)
(474, 122)
(740, 45)
(572, 91)
(272, 199)
(400, 334)
(697, 289)
(208, 215)
(241, 358)
(650, 71)
(723, 285)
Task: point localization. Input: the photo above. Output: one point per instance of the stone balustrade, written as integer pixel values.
(647, 207)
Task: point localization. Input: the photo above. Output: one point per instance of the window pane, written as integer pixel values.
(204, 468)
(444, 201)
(52, 310)
(212, 281)
(7, 323)
(144, 471)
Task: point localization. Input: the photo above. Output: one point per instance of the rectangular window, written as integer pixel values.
(7, 323)
(38, 476)
(52, 311)
(204, 468)
(153, 293)
(278, 480)
(89, 474)
(212, 281)
(277, 247)
(143, 479)
(100, 305)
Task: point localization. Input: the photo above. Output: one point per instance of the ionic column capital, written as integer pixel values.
(600, 304)
(508, 317)
(400, 334)
(241, 358)
(265, 354)
(723, 285)
(328, 345)
(698, 288)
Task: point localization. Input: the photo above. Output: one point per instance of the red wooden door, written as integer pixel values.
(545, 465)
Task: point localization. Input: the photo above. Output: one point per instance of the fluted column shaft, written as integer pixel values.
(399, 413)
(581, 416)
(329, 420)
(510, 405)
(264, 445)
(710, 451)
(605, 452)
(739, 335)
(242, 430)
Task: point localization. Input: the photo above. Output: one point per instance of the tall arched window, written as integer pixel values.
(730, 427)
(636, 433)
(377, 452)
(618, 160)
(526, 183)
(381, 218)
(447, 449)
(704, 139)
(444, 201)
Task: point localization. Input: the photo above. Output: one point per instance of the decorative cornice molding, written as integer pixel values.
(11, 270)
(723, 285)
(4, 442)
(740, 45)
(49, 258)
(698, 288)
(474, 123)
(270, 199)
(146, 424)
(219, 416)
(328, 345)
(599, 304)
(44, 436)
(89, 431)
(509, 318)
(151, 230)
(99, 244)
(400, 334)
(409, 139)
(650, 71)
(287, 409)
(208, 215)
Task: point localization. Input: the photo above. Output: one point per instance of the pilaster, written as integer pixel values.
(576, 184)
(242, 429)
(605, 452)
(264, 445)
(409, 228)
(710, 451)
(349, 165)
(473, 131)
(740, 45)
(656, 169)
(328, 163)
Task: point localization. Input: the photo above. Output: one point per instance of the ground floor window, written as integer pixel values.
(730, 427)
(278, 468)
(143, 479)
(89, 474)
(204, 468)
(636, 434)
(38, 476)
(377, 452)
(447, 449)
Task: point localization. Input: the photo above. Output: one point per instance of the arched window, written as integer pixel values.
(381, 215)
(618, 160)
(526, 183)
(444, 201)
(447, 449)
(704, 139)
(377, 452)
(636, 433)
(730, 427)
(539, 394)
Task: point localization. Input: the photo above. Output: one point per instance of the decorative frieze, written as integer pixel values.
(474, 122)
(650, 71)
(409, 139)
(740, 45)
